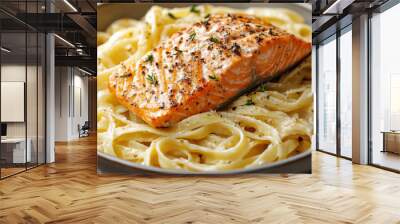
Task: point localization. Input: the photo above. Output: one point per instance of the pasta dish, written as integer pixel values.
(271, 122)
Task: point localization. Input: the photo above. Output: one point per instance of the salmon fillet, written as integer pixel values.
(205, 66)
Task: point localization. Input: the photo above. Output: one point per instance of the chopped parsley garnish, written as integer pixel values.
(172, 16)
(206, 22)
(192, 36)
(262, 88)
(152, 79)
(214, 39)
(207, 16)
(249, 102)
(194, 9)
(149, 58)
(213, 77)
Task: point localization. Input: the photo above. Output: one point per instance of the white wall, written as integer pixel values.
(79, 117)
(69, 82)
(61, 103)
(12, 73)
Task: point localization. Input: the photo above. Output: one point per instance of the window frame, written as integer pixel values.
(337, 34)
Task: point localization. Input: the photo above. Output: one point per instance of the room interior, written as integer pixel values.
(48, 170)
(47, 83)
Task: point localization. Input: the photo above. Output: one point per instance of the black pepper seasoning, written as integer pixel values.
(236, 49)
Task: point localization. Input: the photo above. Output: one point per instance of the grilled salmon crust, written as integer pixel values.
(204, 66)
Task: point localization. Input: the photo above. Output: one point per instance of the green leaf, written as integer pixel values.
(214, 39)
(192, 36)
(172, 16)
(194, 9)
(149, 58)
(152, 79)
(262, 88)
(249, 102)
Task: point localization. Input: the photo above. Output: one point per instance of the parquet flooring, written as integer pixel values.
(11, 170)
(70, 191)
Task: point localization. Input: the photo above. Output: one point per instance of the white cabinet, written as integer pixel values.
(17, 148)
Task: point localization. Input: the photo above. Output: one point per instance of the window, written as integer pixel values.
(385, 89)
(346, 75)
(22, 75)
(327, 96)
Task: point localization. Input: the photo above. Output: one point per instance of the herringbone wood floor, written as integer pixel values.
(70, 191)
